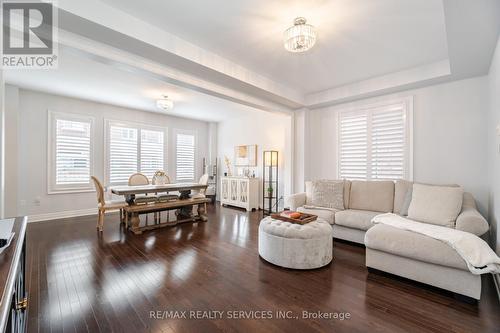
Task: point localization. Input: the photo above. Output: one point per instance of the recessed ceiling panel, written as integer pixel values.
(357, 39)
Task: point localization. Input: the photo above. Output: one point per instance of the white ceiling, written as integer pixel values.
(81, 77)
(357, 39)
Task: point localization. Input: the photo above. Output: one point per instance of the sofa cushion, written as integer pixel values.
(376, 196)
(347, 192)
(401, 188)
(328, 193)
(327, 214)
(412, 245)
(438, 205)
(357, 219)
(403, 210)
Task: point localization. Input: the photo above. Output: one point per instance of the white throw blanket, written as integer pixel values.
(320, 208)
(480, 258)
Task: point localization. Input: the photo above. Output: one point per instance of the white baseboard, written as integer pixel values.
(61, 215)
(496, 279)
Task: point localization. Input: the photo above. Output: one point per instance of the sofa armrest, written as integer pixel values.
(472, 221)
(295, 201)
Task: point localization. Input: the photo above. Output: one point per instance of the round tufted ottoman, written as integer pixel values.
(296, 246)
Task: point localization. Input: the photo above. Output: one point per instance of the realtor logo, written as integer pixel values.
(29, 34)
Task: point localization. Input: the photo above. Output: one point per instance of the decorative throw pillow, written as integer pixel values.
(328, 193)
(436, 204)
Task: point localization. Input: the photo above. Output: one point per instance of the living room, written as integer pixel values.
(250, 166)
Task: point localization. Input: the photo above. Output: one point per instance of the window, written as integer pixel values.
(123, 149)
(131, 149)
(70, 153)
(375, 142)
(185, 156)
(152, 152)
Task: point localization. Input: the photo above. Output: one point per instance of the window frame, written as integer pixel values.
(52, 187)
(195, 157)
(369, 108)
(139, 126)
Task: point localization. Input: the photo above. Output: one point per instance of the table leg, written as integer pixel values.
(135, 221)
(184, 194)
(202, 213)
(130, 199)
(185, 212)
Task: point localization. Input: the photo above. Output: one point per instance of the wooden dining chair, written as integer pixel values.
(138, 179)
(161, 178)
(201, 193)
(104, 205)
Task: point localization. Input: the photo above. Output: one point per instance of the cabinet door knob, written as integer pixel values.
(22, 305)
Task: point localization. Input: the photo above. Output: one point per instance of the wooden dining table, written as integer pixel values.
(183, 203)
(131, 191)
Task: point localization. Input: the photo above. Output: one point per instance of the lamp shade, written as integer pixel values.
(271, 158)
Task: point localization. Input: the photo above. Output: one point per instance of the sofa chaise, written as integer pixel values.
(400, 252)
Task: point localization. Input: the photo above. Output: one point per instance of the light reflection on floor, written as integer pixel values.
(72, 275)
(241, 229)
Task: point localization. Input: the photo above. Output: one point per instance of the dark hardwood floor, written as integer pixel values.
(79, 281)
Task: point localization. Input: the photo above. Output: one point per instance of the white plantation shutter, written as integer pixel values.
(72, 152)
(152, 152)
(388, 144)
(185, 154)
(353, 146)
(122, 153)
(134, 148)
(375, 143)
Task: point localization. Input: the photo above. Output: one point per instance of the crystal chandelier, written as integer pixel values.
(165, 103)
(300, 37)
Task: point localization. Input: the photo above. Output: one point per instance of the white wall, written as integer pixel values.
(494, 147)
(2, 146)
(32, 147)
(449, 136)
(11, 149)
(269, 131)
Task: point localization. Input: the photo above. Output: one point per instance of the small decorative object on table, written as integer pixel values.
(228, 166)
(294, 217)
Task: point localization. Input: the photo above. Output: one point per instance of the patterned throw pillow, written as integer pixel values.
(328, 193)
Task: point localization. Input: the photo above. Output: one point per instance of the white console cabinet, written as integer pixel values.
(240, 192)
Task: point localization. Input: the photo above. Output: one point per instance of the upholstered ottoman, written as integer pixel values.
(296, 246)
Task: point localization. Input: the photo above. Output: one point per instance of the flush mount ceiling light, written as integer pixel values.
(300, 37)
(165, 103)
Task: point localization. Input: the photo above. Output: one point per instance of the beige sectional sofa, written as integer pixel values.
(393, 250)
